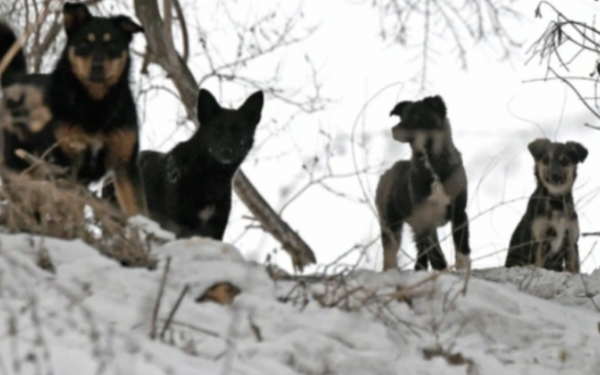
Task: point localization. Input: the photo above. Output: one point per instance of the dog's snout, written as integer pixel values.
(227, 153)
(555, 176)
(97, 73)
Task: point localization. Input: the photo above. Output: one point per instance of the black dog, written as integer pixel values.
(189, 189)
(85, 106)
(548, 232)
(427, 191)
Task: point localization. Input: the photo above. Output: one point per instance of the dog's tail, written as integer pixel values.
(18, 65)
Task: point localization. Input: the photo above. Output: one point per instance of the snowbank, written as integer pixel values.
(88, 315)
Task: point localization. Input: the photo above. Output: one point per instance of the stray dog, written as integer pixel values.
(427, 191)
(84, 107)
(189, 189)
(548, 232)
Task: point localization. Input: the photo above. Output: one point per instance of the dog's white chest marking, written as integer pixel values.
(438, 194)
(433, 211)
(560, 224)
(206, 213)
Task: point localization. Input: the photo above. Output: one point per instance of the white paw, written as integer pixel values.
(462, 261)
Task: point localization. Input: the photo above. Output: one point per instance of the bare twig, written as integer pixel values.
(161, 289)
(173, 311)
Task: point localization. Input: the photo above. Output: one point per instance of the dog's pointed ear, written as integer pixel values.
(127, 24)
(253, 106)
(75, 15)
(437, 104)
(206, 106)
(538, 148)
(578, 150)
(400, 107)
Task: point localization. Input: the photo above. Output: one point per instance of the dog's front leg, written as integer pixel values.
(573, 264)
(460, 230)
(123, 150)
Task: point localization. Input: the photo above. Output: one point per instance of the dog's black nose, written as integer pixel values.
(555, 177)
(97, 73)
(227, 153)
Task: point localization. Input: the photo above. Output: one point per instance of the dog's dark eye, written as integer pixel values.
(546, 160)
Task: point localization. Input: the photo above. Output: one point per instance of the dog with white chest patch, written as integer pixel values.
(427, 191)
(548, 231)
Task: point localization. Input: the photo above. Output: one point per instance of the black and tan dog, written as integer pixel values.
(548, 232)
(427, 191)
(85, 106)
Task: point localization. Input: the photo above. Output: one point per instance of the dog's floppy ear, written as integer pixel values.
(127, 24)
(578, 150)
(538, 147)
(206, 106)
(400, 107)
(437, 104)
(75, 15)
(252, 107)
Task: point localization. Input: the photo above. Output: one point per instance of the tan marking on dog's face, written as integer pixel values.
(556, 189)
(80, 65)
(556, 163)
(114, 68)
(106, 37)
(91, 37)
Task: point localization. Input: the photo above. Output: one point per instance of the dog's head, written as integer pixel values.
(419, 120)
(556, 163)
(97, 47)
(228, 134)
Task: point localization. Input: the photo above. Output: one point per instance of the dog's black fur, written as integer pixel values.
(547, 234)
(84, 105)
(189, 189)
(427, 191)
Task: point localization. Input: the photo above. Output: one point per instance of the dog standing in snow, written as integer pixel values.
(548, 232)
(427, 191)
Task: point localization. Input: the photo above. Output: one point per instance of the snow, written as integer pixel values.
(92, 316)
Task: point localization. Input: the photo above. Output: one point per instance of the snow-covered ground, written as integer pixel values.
(89, 315)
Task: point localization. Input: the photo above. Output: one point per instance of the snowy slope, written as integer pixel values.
(92, 316)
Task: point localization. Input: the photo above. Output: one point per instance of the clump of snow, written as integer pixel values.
(93, 316)
(149, 228)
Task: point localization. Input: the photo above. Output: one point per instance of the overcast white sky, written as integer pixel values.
(493, 114)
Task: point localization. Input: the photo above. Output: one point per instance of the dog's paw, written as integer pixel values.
(462, 261)
(23, 110)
